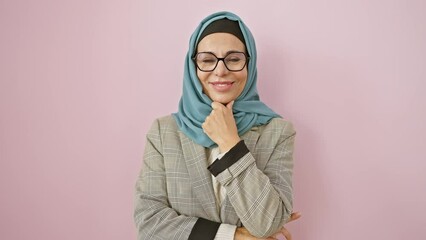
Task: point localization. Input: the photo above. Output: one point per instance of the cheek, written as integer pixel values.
(202, 76)
(242, 77)
(243, 82)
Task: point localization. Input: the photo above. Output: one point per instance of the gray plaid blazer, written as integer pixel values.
(174, 187)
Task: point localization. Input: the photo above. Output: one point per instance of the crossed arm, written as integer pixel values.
(262, 211)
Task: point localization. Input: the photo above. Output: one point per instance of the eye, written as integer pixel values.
(208, 60)
(233, 59)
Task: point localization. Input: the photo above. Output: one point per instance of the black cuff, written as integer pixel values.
(231, 157)
(204, 229)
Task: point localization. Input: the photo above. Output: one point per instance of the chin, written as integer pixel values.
(224, 101)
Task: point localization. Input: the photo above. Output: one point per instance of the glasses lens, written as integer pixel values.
(206, 61)
(235, 61)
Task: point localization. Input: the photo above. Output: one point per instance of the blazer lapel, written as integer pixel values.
(196, 163)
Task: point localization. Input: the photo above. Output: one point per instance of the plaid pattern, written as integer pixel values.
(175, 188)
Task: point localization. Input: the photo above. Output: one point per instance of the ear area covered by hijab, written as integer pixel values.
(195, 106)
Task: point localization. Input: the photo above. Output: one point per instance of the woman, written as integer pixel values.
(221, 167)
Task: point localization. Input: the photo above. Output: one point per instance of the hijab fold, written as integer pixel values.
(195, 106)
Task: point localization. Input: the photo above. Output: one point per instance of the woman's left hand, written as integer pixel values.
(220, 126)
(283, 231)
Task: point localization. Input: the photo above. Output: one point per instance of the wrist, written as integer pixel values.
(227, 145)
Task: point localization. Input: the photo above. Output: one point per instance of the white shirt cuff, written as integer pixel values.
(225, 232)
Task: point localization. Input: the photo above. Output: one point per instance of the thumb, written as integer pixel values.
(230, 105)
(294, 216)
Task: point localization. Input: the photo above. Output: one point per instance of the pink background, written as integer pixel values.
(81, 81)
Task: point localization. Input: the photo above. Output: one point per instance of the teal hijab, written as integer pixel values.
(195, 106)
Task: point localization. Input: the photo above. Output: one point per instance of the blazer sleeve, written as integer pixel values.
(153, 216)
(262, 199)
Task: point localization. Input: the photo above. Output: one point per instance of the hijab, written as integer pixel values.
(195, 106)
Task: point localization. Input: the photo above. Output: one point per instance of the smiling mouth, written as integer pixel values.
(221, 86)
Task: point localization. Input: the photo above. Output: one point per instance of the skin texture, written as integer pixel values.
(220, 124)
(220, 44)
(242, 234)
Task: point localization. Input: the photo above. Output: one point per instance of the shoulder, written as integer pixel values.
(163, 125)
(285, 126)
(164, 122)
(279, 125)
(168, 121)
(276, 130)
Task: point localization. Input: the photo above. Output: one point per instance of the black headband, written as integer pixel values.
(223, 25)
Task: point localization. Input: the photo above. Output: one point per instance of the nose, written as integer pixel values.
(220, 69)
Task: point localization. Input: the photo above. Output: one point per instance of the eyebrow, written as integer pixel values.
(228, 52)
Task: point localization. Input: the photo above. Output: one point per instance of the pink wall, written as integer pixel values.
(80, 83)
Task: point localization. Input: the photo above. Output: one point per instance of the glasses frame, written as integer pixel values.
(221, 59)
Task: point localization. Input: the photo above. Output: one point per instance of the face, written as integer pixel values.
(222, 85)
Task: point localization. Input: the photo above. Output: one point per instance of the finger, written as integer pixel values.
(230, 105)
(216, 105)
(206, 124)
(294, 216)
(206, 120)
(286, 233)
(277, 235)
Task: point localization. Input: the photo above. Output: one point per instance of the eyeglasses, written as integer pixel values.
(207, 61)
